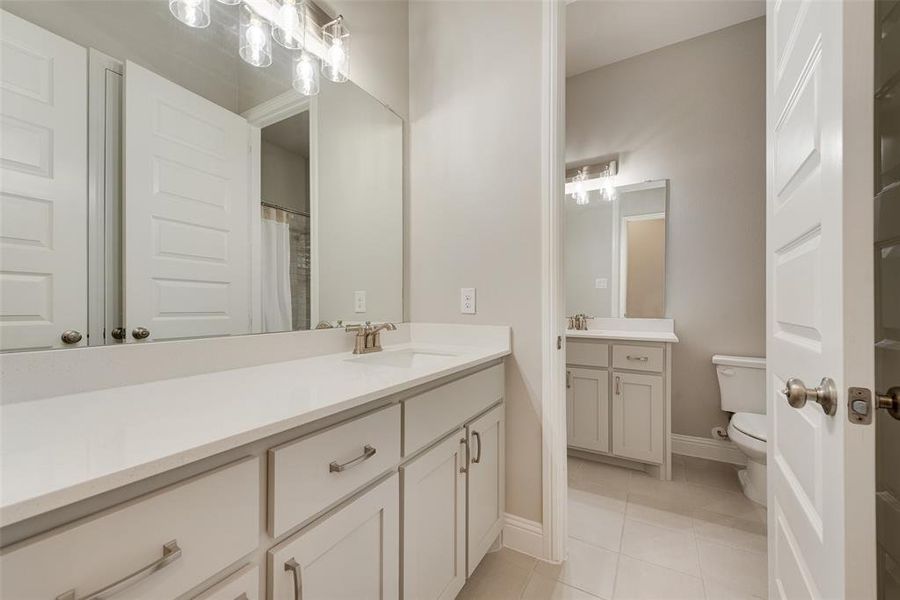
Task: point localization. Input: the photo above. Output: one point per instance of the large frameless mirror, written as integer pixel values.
(616, 250)
(187, 169)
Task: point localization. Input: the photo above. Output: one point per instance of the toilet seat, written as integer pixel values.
(751, 424)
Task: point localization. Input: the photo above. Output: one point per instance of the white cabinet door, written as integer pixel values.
(353, 554)
(434, 521)
(43, 187)
(587, 401)
(486, 483)
(187, 212)
(637, 416)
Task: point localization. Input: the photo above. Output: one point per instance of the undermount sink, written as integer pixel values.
(403, 359)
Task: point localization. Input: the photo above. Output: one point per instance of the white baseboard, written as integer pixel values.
(523, 536)
(708, 448)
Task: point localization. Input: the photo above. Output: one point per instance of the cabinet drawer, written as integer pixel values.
(213, 519)
(430, 416)
(352, 553)
(310, 474)
(638, 358)
(587, 354)
(243, 585)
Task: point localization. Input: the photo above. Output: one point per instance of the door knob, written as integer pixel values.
(70, 336)
(825, 395)
(118, 333)
(140, 333)
(889, 401)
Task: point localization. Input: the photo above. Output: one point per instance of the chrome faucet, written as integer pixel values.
(368, 336)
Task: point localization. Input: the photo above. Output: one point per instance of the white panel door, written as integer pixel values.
(43, 187)
(434, 521)
(819, 295)
(637, 416)
(587, 403)
(487, 501)
(187, 212)
(353, 554)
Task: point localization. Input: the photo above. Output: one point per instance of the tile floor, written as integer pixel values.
(634, 537)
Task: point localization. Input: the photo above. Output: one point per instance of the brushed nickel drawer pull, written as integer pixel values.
(465, 459)
(336, 467)
(618, 385)
(477, 437)
(171, 553)
(640, 358)
(243, 596)
(294, 567)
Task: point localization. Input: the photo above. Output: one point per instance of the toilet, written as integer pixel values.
(742, 384)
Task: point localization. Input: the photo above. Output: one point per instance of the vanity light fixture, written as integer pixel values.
(255, 43)
(193, 13)
(306, 74)
(336, 62)
(288, 30)
(582, 180)
(294, 24)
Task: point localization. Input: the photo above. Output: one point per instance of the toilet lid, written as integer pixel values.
(750, 424)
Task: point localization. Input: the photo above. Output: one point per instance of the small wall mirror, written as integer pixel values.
(162, 179)
(616, 251)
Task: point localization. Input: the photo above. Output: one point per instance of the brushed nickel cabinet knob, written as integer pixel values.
(140, 333)
(70, 336)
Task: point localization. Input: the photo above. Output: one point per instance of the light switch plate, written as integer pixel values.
(601, 284)
(359, 301)
(467, 301)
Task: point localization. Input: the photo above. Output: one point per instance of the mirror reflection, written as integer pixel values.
(616, 250)
(162, 179)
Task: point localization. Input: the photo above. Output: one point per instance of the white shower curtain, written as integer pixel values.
(276, 263)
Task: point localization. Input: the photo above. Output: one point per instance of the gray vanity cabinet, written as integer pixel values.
(618, 399)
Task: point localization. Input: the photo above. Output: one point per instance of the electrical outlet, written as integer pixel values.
(601, 283)
(359, 301)
(467, 301)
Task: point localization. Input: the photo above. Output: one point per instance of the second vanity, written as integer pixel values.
(368, 476)
(618, 393)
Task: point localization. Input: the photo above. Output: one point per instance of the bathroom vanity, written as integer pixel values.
(619, 392)
(379, 475)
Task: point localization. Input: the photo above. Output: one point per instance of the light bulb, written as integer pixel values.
(580, 192)
(230, 2)
(255, 44)
(306, 74)
(193, 13)
(609, 190)
(288, 29)
(336, 65)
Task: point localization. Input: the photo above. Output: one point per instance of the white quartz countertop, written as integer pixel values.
(60, 450)
(632, 336)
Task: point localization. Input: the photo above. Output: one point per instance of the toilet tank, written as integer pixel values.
(742, 383)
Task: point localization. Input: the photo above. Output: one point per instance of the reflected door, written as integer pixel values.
(187, 212)
(43, 189)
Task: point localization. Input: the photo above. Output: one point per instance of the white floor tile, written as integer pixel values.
(670, 548)
(731, 531)
(543, 588)
(718, 591)
(714, 474)
(639, 580)
(597, 472)
(596, 519)
(650, 509)
(738, 570)
(587, 567)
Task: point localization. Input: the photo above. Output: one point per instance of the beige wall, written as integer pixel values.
(694, 113)
(645, 292)
(379, 49)
(284, 177)
(475, 213)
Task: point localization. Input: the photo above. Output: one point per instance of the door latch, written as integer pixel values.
(859, 405)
